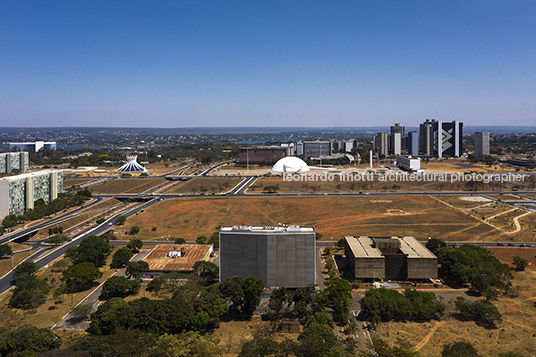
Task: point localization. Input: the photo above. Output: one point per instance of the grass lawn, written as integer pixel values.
(211, 184)
(5, 262)
(68, 182)
(335, 217)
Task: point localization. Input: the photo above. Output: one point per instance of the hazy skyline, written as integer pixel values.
(266, 63)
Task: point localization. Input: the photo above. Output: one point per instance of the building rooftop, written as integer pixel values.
(363, 247)
(158, 259)
(413, 249)
(29, 174)
(268, 229)
(366, 247)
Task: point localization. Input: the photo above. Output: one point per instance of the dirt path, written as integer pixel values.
(500, 214)
(516, 222)
(427, 337)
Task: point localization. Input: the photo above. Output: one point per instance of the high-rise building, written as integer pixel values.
(316, 148)
(18, 193)
(413, 143)
(448, 138)
(440, 138)
(426, 142)
(381, 142)
(481, 144)
(282, 256)
(10, 161)
(396, 140)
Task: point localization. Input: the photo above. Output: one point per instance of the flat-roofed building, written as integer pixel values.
(165, 258)
(389, 258)
(408, 163)
(10, 161)
(264, 154)
(481, 144)
(282, 256)
(18, 193)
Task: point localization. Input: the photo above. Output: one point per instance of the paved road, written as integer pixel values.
(62, 217)
(7, 282)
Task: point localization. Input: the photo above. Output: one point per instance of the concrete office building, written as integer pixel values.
(282, 256)
(412, 143)
(398, 132)
(440, 138)
(10, 161)
(267, 154)
(481, 144)
(426, 142)
(35, 146)
(18, 193)
(316, 149)
(389, 258)
(381, 143)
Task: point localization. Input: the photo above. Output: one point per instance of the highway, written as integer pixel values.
(6, 282)
(21, 233)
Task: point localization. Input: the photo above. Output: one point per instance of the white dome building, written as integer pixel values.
(132, 165)
(291, 164)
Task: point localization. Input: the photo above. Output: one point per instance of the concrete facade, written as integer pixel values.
(258, 154)
(18, 193)
(316, 149)
(481, 144)
(389, 258)
(10, 161)
(408, 163)
(35, 146)
(280, 256)
(413, 143)
(381, 143)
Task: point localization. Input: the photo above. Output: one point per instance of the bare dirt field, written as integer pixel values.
(516, 333)
(211, 184)
(76, 181)
(335, 217)
(127, 185)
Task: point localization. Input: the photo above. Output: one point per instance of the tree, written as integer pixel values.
(82, 311)
(5, 249)
(339, 293)
(92, 249)
(180, 241)
(201, 240)
(30, 291)
(262, 346)
(134, 230)
(104, 321)
(482, 312)
(270, 189)
(243, 294)
(380, 348)
(459, 349)
(434, 244)
(278, 299)
(119, 286)
(520, 263)
(135, 245)
(318, 340)
(121, 257)
(25, 270)
(121, 220)
(28, 340)
(510, 354)
(206, 270)
(134, 269)
(82, 275)
(253, 289)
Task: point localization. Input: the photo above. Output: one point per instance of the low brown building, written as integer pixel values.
(389, 258)
(165, 258)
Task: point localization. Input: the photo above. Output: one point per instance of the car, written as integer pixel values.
(532, 245)
(510, 245)
(523, 245)
(500, 244)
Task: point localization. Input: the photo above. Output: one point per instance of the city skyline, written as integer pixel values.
(242, 64)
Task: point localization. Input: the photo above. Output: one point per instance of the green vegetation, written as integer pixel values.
(5, 249)
(180, 241)
(121, 257)
(121, 220)
(520, 263)
(81, 275)
(482, 312)
(135, 244)
(401, 348)
(30, 291)
(134, 269)
(28, 340)
(206, 270)
(381, 305)
(119, 286)
(339, 294)
(458, 349)
(92, 249)
(244, 295)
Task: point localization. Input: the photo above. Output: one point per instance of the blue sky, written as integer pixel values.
(266, 63)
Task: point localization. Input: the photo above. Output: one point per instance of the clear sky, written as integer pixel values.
(266, 63)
